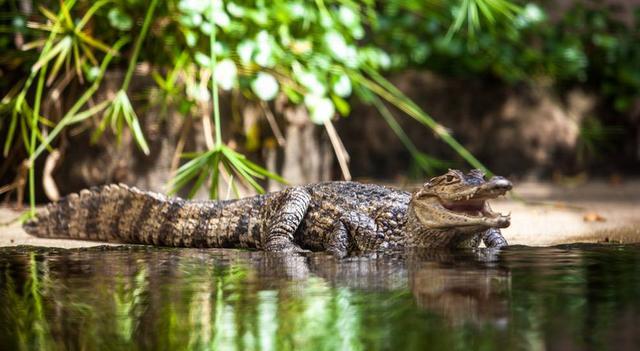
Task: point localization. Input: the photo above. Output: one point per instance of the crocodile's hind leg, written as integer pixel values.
(354, 231)
(283, 215)
(338, 243)
(492, 238)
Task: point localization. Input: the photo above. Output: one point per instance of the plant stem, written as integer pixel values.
(214, 85)
(338, 148)
(136, 48)
(32, 142)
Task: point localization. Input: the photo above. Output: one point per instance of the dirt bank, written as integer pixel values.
(593, 212)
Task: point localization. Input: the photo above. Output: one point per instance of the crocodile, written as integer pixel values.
(340, 217)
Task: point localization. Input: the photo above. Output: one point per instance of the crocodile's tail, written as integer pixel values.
(119, 213)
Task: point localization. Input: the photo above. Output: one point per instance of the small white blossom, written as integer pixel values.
(265, 86)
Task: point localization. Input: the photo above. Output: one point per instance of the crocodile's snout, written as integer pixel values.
(500, 183)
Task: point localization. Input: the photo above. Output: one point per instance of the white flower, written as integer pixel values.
(93, 73)
(264, 50)
(351, 56)
(326, 21)
(202, 59)
(265, 86)
(342, 87)
(196, 19)
(531, 14)
(297, 10)
(191, 38)
(347, 16)
(308, 79)
(245, 50)
(221, 19)
(337, 45)
(206, 27)
(320, 108)
(384, 60)
(226, 74)
(235, 10)
(193, 6)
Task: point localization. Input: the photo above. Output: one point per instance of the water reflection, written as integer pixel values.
(149, 298)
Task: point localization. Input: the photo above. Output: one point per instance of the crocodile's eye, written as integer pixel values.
(450, 179)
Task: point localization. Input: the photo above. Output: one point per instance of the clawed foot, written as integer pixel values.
(500, 221)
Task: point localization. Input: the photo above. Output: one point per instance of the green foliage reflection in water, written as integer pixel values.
(189, 299)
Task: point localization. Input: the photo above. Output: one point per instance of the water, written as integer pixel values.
(563, 298)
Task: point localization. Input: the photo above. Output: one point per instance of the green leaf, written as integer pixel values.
(119, 19)
(293, 95)
(63, 55)
(341, 105)
(190, 37)
(202, 59)
(215, 176)
(198, 183)
(265, 172)
(62, 46)
(87, 16)
(237, 167)
(79, 117)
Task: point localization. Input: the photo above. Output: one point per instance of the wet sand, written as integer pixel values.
(593, 212)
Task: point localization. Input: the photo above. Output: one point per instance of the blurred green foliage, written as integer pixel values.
(590, 44)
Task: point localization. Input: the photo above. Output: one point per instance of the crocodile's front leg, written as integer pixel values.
(354, 230)
(282, 216)
(493, 238)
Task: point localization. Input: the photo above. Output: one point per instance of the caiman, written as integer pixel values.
(449, 211)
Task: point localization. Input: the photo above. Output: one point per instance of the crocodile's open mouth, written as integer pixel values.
(472, 207)
(475, 202)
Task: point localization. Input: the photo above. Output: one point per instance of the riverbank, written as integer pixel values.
(550, 215)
